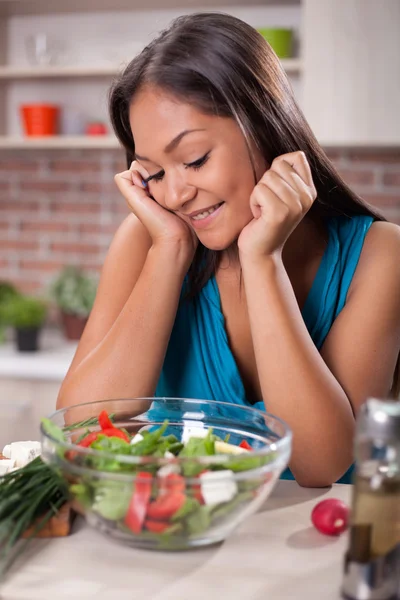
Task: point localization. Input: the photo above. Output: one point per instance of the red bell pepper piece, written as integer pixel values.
(105, 421)
(156, 526)
(245, 445)
(89, 439)
(166, 506)
(136, 512)
(114, 432)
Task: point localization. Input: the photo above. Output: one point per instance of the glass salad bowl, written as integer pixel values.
(166, 473)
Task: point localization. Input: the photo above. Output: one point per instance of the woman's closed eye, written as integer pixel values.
(196, 165)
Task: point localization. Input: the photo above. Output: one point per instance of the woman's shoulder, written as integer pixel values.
(383, 241)
(379, 259)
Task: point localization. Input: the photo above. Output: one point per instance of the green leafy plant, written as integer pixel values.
(74, 292)
(7, 293)
(24, 312)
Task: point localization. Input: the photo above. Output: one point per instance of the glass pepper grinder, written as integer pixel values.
(372, 562)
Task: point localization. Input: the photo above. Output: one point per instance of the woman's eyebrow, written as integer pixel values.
(172, 145)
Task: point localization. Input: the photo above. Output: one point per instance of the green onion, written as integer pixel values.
(29, 497)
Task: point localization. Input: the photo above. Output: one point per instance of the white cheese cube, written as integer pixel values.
(193, 429)
(22, 452)
(7, 451)
(6, 466)
(218, 486)
(136, 438)
(168, 454)
(166, 470)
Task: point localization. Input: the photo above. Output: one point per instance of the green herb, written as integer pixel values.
(191, 505)
(111, 499)
(198, 521)
(82, 493)
(227, 507)
(194, 448)
(150, 443)
(111, 445)
(247, 462)
(53, 430)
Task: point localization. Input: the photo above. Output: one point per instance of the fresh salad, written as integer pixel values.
(184, 497)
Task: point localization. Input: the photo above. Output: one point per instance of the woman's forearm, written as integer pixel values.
(296, 383)
(128, 361)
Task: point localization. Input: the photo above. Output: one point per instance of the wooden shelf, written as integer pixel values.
(65, 142)
(60, 141)
(7, 73)
(26, 72)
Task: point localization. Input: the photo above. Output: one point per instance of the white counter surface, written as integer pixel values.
(275, 555)
(50, 363)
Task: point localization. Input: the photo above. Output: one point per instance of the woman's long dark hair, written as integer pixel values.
(224, 67)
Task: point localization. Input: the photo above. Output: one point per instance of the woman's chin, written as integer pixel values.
(218, 245)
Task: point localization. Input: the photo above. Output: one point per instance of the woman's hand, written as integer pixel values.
(163, 226)
(279, 201)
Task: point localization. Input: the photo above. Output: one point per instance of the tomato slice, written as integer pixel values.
(156, 526)
(105, 421)
(136, 512)
(245, 445)
(172, 483)
(166, 506)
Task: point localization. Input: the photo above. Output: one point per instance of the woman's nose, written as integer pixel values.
(178, 193)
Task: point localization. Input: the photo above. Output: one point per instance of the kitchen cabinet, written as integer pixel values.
(351, 79)
(346, 74)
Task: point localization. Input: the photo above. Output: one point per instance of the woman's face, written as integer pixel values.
(199, 165)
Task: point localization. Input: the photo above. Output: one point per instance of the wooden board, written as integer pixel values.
(58, 526)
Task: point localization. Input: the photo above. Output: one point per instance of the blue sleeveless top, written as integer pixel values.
(199, 362)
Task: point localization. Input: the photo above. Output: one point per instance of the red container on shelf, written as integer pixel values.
(40, 119)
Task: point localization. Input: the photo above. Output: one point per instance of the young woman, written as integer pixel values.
(248, 271)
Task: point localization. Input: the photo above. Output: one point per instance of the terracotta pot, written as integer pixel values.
(73, 325)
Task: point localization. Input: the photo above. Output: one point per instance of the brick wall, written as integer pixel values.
(62, 207)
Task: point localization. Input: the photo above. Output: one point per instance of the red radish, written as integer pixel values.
(330, 516)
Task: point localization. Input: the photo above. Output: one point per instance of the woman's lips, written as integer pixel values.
(201, 219)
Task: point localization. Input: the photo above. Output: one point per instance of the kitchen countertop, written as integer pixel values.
(50, 363)
(275, 554)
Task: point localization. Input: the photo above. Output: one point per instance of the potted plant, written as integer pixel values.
(27, 315)
(7, 292)
(74, 292)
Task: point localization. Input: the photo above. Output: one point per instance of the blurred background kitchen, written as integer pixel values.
(59, 206)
